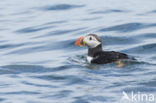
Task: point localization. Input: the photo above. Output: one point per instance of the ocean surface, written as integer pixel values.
(39, 62)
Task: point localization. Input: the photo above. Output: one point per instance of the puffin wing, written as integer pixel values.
(108, 57)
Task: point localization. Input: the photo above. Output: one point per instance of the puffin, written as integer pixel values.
(95, 53)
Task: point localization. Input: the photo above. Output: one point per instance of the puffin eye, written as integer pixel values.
(90, 38)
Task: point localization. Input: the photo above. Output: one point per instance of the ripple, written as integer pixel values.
(140, 89)
(55, 22)
(62, 32)
(84, 99)
(68, 79)
(33, 29)
(108, 11)
(25, 68)
(26, 50)
(129, 27)
(61, 7)
(91, 19)
(2, 99)
(65, 45)
(153, 11)
(146, 36)
(109, 40)
(31, 68)
(151, 83)
(10, 46)
(6, 71)
(143, 49)
(21, 92)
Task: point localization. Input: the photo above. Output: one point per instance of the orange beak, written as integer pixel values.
(80, 42)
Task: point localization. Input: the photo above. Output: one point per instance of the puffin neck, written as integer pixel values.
(92, 51)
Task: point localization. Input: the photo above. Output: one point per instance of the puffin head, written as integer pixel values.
(90, 40)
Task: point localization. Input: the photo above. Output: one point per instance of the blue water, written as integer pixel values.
(40, 64)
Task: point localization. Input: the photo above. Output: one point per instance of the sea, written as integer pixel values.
(39, 62)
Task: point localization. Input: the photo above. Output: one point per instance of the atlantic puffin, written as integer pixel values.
(95, 53)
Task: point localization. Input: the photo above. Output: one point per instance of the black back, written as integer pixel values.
(104, 57)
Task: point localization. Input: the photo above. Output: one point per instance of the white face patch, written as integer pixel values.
(91, 41)
(89, 59)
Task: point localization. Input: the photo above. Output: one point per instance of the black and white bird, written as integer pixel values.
(95, 53)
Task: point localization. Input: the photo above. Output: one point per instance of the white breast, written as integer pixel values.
(89, 59)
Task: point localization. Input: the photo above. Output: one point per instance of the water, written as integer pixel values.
(40, 64)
